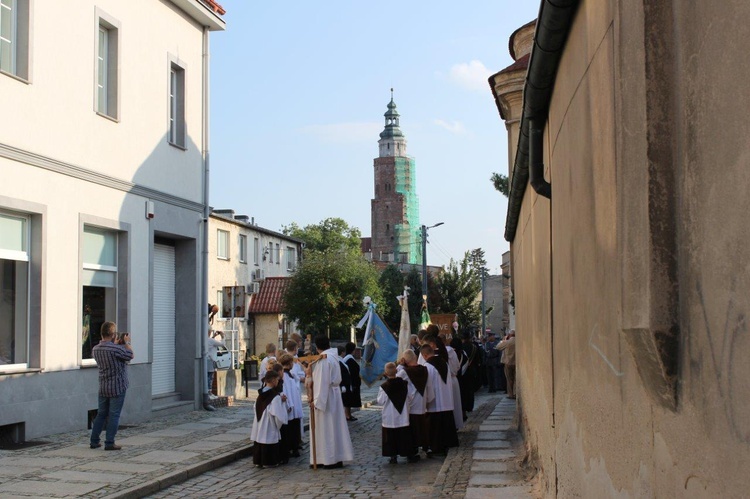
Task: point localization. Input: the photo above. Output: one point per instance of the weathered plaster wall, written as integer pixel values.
(647, 92)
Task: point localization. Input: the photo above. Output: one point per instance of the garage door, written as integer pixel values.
(162, 369)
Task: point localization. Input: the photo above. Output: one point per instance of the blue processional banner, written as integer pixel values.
(380, 347)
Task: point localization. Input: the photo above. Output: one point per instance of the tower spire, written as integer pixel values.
(391, 130)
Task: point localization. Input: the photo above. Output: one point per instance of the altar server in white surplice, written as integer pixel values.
(332, 441)
(270, 415)
(453, 366)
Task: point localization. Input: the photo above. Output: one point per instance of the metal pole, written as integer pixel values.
(484, 327)
(424, 264)
(203, 369)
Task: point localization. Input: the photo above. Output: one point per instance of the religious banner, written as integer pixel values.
(404, 331)
(444, 322)
(380, 347)
(424, 319)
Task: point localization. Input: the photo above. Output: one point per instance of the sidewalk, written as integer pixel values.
(169, 450)
(155, 454)
(487, 463)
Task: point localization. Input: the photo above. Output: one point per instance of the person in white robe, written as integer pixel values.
(270, 415)
(453, 366)
(290, 433)
(270, 354)
(298, 372)
(333, 444)
(417, 376)
(396, 395)
(442, 427)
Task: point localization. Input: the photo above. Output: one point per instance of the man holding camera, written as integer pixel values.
(112, 355)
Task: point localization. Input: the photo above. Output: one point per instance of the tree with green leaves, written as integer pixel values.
(391, 282)
(330, 234)
(478, 262)
(325, 293)
(459, 286)
(501, 183)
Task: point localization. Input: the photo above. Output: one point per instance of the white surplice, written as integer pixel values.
(263, 368)
(293, 396)
(418, 404)
(391, 417)
(443, 400)
(453, 366)
(299, 372)
(267, 430)
(332, 440)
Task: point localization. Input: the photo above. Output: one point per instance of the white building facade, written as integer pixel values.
(242, 255)
(103, 147)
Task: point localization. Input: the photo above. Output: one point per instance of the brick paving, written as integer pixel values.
(200, 454)
(462, 473)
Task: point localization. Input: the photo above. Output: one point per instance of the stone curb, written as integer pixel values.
(179, 476)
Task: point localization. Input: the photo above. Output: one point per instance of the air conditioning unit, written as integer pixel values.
(259, 274)
(254, 288)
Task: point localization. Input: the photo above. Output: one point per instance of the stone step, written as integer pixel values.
(493, 454)
(492, 444)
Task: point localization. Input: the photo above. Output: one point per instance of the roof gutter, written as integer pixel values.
(552, 28)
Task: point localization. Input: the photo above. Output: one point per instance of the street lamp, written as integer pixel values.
(424, 259)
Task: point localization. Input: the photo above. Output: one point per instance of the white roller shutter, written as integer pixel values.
(162, 369)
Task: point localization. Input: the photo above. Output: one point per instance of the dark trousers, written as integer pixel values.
(493, 377)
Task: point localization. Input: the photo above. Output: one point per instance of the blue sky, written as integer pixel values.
(298, 92)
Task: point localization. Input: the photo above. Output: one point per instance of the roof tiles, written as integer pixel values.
(270, 298)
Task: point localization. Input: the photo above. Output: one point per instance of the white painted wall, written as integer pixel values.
(54, 115)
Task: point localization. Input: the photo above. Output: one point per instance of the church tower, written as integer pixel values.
(395, 208)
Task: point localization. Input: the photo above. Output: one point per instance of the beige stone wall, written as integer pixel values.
(647, 92)
(266, 330)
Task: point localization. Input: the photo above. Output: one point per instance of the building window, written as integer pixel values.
(278, 254)
(14, 286)
(14, 37)
(290, 258)
(177, 105)
(256, 251)
(222, 245)
(270, 252)
(243, 249)
(99, 285)
(107, 64)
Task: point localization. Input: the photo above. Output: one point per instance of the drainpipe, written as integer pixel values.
(552, 27)
(536, 161)
(206, 213)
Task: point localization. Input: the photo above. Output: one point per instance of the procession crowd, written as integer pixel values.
(425, 397)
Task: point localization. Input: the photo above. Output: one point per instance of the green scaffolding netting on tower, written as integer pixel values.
(407, 235)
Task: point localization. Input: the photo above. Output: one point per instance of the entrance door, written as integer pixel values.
(163, 366)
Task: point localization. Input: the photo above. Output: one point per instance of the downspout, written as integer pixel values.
(206, 213)
(536, 161)
(552, 28)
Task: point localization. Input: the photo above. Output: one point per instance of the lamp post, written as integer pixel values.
(424, 259)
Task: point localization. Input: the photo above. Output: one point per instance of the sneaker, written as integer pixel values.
(95, 446)
(112, 447)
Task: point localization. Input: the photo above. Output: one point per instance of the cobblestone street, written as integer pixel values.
(370, 475)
